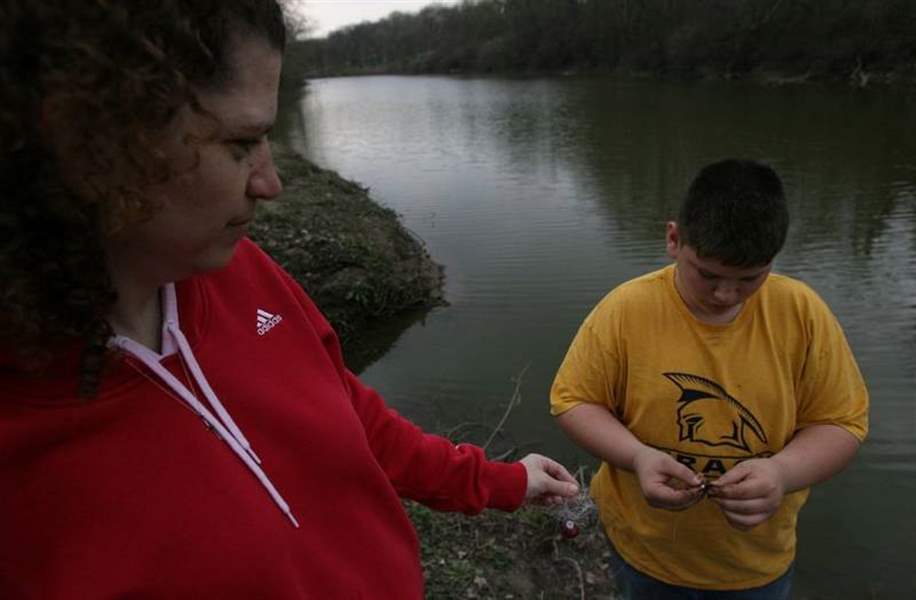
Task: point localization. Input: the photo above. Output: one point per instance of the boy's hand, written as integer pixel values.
(548, 481)
(665, 482)
(750, 493)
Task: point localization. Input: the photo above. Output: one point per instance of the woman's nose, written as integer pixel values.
(264, 181)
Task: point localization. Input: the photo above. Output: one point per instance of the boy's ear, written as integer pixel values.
(672, 239)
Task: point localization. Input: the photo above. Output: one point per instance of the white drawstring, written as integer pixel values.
(223, 426)
(185, 349)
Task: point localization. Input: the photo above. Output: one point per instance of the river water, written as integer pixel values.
(540, 195)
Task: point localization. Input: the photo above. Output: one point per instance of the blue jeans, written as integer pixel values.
(634, 585)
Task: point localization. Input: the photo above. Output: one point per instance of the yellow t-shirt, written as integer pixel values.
(710, 396)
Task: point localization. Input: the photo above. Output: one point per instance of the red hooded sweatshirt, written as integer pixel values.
(145, 492)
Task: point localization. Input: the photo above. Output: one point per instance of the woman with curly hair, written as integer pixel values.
(175, 416)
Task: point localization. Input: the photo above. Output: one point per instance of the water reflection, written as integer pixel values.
(541, 195)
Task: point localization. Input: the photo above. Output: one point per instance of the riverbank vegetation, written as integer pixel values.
(520, 555)
(352, 256)
(858, 41)
(527, 554)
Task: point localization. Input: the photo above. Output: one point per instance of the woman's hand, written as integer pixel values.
(548, 481)
(665, 482)
(749, 493)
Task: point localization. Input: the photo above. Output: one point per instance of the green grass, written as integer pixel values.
(352, 256)
(509, 555)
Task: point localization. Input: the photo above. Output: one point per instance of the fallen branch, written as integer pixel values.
(514, 401)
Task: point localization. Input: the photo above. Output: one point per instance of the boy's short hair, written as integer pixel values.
(735, 211)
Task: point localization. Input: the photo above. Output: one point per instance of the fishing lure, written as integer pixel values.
(569, 529)
(575, 514)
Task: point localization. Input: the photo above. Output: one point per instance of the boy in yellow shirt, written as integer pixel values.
(715, 393)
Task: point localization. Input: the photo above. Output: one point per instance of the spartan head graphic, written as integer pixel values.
(707, 414)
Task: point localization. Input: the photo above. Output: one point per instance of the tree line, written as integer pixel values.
(728, 38)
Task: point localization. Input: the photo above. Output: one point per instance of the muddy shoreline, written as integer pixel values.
(352, 256)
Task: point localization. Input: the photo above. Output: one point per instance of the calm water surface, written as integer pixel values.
(539, 196)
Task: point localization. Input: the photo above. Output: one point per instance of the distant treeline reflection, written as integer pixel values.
(859, 40)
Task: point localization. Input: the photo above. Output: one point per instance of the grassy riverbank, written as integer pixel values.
(519, 555)
(352, 256)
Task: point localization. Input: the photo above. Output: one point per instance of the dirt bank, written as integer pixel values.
(352, 256)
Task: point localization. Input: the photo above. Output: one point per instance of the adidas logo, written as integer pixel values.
(267, 321)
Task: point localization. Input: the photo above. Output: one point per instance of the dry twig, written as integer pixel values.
(514, 401)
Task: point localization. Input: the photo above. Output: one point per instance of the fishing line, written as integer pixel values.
(575, 514)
